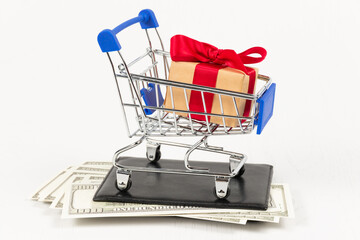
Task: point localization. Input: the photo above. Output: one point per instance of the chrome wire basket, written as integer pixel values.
(147, 121)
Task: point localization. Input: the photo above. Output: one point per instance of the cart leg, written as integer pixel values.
(187, 154)
(206, 144)
(123, 181)
(221, 186)
(237, 165)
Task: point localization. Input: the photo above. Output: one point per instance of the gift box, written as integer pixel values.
(203, 64)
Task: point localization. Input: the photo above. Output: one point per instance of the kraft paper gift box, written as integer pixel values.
(225, 78)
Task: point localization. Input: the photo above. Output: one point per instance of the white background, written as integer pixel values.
(59, 107)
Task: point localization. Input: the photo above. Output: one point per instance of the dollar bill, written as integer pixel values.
(241, 221)
(51, 184)
(58, 202)
(232, 219)
(210, 217)
(51, 193)
(280, 206)
(280, 195)
(106, 165)
(78, 204)
(72, 191)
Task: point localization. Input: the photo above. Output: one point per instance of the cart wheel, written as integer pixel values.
(222, 197)
(153, 156)
(128, 186)
(241, 172)
(222, 189)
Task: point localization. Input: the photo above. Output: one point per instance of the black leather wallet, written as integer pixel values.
(249, 191)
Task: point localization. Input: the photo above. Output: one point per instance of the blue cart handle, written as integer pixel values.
(107, 38)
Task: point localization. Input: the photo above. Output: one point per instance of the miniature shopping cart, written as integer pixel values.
(141, 83)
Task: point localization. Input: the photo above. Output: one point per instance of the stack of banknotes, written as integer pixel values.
(72, 191)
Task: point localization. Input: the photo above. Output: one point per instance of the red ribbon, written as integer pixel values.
(185, 49)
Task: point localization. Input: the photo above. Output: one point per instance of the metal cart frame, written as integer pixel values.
(163, 122)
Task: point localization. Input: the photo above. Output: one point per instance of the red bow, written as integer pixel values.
(185, 49)
(189, 50)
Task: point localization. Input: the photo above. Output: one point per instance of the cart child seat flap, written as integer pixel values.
(266, 108)
(149, 96)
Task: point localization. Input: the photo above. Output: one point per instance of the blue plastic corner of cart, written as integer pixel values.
(108, 41)
(149, 96)
(107, 38)
(266, 108)
(148, 19)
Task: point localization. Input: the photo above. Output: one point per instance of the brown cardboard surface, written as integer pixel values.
(227, 79)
